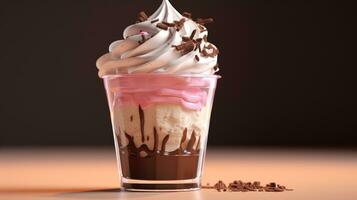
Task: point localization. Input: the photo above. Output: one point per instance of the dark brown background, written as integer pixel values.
(286, 68)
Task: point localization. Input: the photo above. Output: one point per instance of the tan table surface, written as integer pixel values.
(92, 174)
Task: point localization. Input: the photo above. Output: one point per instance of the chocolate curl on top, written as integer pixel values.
(214, 52)
(210, 46)
(193, 34)
(199, 40)
(179, 24)
(216, 67)
(204, 21)
(162, 26)
(205, 38)
(169, 24)
(202, 28)
(185, 39)
(143, 39)
(199, 48)
(185, 47)
(154, 21)
(142, 16)
(197, 58)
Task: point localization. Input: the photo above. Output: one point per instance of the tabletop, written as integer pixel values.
(91, 173)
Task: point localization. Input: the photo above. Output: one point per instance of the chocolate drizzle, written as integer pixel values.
(163, 145)
(142, 123)
(184, 136)
(145, 164)
(191, 142)
(135, 151)
(198, 143)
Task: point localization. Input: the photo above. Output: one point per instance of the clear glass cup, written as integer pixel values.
(160, 126)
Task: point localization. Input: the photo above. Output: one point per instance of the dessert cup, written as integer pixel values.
(160, 126)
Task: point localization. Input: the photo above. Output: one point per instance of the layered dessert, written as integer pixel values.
(160, 83)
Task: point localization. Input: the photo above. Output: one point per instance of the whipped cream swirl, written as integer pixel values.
(149, 48)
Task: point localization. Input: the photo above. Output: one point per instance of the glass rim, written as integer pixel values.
(110, 76)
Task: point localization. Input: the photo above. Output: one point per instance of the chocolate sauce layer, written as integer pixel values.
(145, 164)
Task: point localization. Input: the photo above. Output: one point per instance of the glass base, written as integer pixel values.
(160, 186)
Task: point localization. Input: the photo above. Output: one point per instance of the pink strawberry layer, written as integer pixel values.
(147, 90)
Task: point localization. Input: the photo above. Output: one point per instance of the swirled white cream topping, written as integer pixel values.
(166, 42)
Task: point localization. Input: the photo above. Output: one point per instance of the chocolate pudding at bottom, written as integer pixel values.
(160, 142)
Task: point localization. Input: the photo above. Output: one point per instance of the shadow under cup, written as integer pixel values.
(160, 127)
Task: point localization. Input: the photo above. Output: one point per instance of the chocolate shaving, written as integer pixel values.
(210, 46)
(179, 24)
(196, 47)
(189, 43)
(187, 14)
(205, 38)
(142, 16)
(169, 24)
(214, 51)
(189, 46)
(154, 21)
(197, 58)
(216, 68)
(162, 26)
(143, 39)
(185, 39)
(193, 34)
(186, 46)
(199, 40)
(202, 28)
(240, 186)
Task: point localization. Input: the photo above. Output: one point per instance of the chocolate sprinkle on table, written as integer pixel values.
(240, 186)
